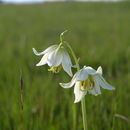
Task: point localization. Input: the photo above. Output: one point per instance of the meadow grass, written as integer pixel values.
(99, 34)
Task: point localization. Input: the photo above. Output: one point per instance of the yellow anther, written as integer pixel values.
(87, 84)
(55, 69)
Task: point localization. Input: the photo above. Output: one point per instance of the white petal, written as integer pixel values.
(70, 84)
(67, 85)
(90, 70)
(55, 58)
(99, 70)
(78, 93)
(82, 75)
(78, 76)
(75, 66)
(93, 92)
(66, 63)
(97, 86)
(104, 84)
(49, 49)
(43, 61)
(96, 89)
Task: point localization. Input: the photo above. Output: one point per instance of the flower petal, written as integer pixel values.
(97, 87)
(66, 63)
(90, 70)
(96, 90)
(104, 84)
(82, 74)
(93, 92)
(49, 49)
(99, 70)
(43, 61)
(78, 93)
(55, 58)
(70, 84)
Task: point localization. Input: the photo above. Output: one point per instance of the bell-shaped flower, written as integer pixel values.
(87, 80)
(56, 57)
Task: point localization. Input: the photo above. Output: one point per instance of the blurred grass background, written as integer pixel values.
(99, 34)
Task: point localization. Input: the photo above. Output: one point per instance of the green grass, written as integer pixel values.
(99, 34)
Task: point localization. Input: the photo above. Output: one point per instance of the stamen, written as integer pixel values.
(55, 69)
(87, 84)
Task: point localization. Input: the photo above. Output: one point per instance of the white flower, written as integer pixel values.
(56, 57)
(87, 80)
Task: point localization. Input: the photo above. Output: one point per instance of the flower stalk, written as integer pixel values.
(84, 113)
(83, 105)
(61, 36)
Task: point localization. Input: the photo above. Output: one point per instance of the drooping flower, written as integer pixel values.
(56, 57)
(87, 80)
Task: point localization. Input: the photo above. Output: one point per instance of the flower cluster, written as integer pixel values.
(85, 80)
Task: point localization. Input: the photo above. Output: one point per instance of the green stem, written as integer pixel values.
(83, 100)
(84, 114)
(74, 56)
(61, 35)
(60, 44)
